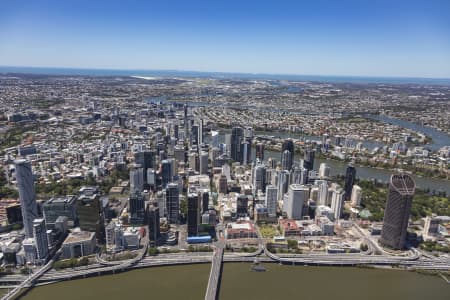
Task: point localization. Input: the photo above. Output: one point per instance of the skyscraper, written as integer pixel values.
(259, 178)
(356, 196)
(193, 213)
(260, 151)
(271, 200)
(337, 201)
(40, 238)
(396, 214)
(172, 203)
(136, 208)
(136, 178)
(242, 205)
(237, 135)
(324, 171)
(203, 160)
(27, 196)
(166, 172)
(146, 159)
(153, 222)
(288, 145)
(350, 176)
(308, 159)
(297, 196)
(286, 160)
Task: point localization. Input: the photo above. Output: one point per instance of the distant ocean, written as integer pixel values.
(191, 74)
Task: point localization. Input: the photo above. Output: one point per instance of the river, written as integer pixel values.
(188, 282)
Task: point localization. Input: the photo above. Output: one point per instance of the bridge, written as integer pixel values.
(216, 270)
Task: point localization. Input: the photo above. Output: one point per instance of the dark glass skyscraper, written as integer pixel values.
(308, 159)
(173, 203)
(154, 232)
(193, 213)
(396, 214)
(350, 176)
(237, 135)
(136, 208)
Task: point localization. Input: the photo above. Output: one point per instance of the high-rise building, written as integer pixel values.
(271, 200)
(323, 191)
(308, 159)
(40, 238)
(136, 208)
(205, 201)
(146, 159)
(296, 197)
(283, 183)
(89, 209)
(260, 151)
(193, 213)
(59, 206)
(27, 196)
(246, 150)
(173, 203)
(286, 160)
(356, 196)
(136, 178)
(337, 201)
(396, 214)
(350, 176)
(324, 171)
(166, 172)
(242, 205)
(153, 222)
(203, 159)
(288, 145)
(237, 135)
(259, 178)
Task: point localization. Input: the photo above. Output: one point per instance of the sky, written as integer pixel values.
(405, 38)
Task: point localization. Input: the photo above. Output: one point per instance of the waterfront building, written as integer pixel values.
(260, 151)
(136, 208)
(59, 206)
(154, 232)
(40, 239)
(356, 196)
(396, 214)
(296, 197)
(173, 203)
(350, 176)
(308, 159)
(193, 213)
(78, 243)
(337, 202)
(286, 160)
(324, 171)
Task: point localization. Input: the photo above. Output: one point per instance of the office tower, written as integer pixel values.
(59, 206)
(237, 135)
(214, 139)
(193, 213)
(194, 135)
(308, 159)
(89, 210)
(271, 200)
(193, 161)
(396, 214)
(223, 184)
(241, 205)
(350, 176)
(324, 171)
(153, 222)
(172, 203)
(205, 201)
(323, 191)
(286, 160)
(259, 178)
(136, 178)
(136, 208)
(200, 132)
(166, 172)
(246, 150)
(283, 183)
(40, 238)
(203, 159)
(356, 196)
(27, 196)
(179, 153)
(296, 197)
(260, 151)
(288, 145)
(146, 159)
(337, 201)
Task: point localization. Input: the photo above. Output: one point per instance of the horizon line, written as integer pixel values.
(220, 72)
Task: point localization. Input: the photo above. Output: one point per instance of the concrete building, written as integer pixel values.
(324, 171)
(193, 213)
(78, 243)
(356, 196)
(203, 158)
(396, 214)
(40, 239)
(271, 200)
(136, 178)
(27, 196)
(296, 197)
(337, 202)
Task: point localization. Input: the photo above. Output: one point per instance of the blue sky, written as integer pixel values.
(366, 38)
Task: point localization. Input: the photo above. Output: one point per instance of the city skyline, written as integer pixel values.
(404, 39)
